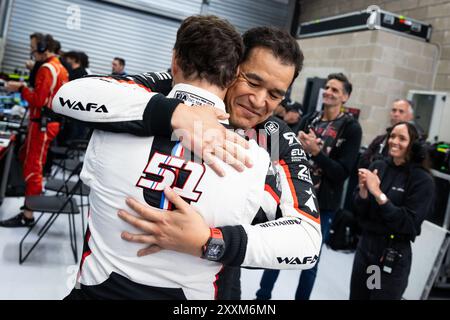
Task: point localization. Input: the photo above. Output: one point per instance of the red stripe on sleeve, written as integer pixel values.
(133, 83)
(272, 193)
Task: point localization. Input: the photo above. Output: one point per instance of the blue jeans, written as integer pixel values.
(307, 277)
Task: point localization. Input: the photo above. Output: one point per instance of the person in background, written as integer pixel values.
(77, 68)
(33, 66)
(393, 198)
(57, 50)
(332, 138)
(290, 112)
(293, 115)
(118, 67)
(72, 129)
(401, 111)
(280, 111)
(84, 59)
(42, 127)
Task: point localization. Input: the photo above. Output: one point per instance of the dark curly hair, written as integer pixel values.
(210, 48)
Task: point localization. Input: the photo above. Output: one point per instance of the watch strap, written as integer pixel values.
(215, 233)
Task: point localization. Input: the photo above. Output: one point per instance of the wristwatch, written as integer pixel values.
(382, 198)
(214, 248)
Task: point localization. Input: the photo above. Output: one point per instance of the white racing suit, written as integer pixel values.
(268, 220)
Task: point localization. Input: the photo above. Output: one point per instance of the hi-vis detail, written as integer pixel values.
(296, 260)
(75, 105)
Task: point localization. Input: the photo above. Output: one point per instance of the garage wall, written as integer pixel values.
(382, 67)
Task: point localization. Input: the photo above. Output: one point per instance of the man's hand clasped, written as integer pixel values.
(182, 230)
(310, 142)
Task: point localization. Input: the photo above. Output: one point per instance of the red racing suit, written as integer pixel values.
(49, 78)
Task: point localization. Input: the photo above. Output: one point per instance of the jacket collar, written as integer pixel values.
(192, 95)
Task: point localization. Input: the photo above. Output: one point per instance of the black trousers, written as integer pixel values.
(117, 287)
(229, 284)
(391, 285)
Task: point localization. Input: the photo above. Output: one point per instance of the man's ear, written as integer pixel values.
(346, 97)
(174, 64)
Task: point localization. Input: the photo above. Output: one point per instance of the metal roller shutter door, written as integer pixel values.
(145, 40)
(250, 13)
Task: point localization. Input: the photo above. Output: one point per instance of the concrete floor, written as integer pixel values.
(50, 271)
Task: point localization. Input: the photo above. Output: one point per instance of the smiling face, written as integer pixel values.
(334, 94)
(259, 89)
(398, 142)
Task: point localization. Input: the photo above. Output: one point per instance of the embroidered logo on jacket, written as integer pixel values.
(271, 127)
(192, 99)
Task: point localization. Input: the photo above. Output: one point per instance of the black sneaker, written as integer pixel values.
(17, 221)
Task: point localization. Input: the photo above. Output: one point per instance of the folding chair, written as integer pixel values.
(61, 203)
(67, 157)
(60, 185)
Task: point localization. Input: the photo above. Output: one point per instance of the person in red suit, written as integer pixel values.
(42, 127)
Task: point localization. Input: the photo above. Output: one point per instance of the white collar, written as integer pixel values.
(192, 95)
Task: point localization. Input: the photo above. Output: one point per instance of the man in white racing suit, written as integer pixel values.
(118, 165)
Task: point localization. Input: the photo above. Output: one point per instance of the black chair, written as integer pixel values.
(60, 185)
(61, 203)
(67, 157)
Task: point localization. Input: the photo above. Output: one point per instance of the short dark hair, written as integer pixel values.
(37, 35)
(348, 87)
(48, 38)
(84, 59)
(121, 60)
(56, 46)
(280, 42)
(79, 57)
(210, 48)
(73, 55)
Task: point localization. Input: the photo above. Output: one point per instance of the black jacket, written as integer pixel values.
(373, 151)
(336, 167)
(77, 73)
(410, 190)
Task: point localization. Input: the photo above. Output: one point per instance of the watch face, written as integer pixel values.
(214, 251)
